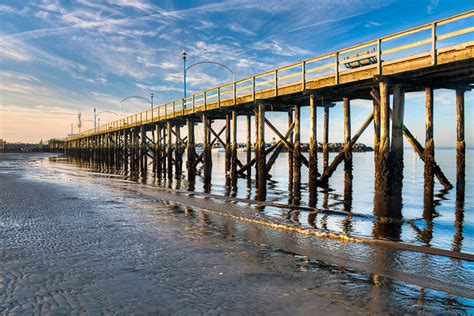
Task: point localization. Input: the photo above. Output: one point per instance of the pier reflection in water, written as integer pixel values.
(432, 216)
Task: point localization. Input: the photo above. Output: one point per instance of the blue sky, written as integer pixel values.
(61, 57)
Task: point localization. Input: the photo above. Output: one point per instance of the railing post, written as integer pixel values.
(336, 65)
(174, 108)
(433, 43)
(276, 82)
(379, 57)
(219, 97)
(205, 101)
(303, 75)
(235, 92)
(253, 88)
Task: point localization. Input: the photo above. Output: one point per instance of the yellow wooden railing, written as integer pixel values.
(375, 54)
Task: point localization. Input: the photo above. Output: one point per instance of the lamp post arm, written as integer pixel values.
(136, 97)
(215, 63)
(107, 112)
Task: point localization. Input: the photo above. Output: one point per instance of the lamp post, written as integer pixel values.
(184, 55)
(185, 69)
(95, 118)
(151, 98)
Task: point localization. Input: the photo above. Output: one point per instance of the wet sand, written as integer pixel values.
(78, 246)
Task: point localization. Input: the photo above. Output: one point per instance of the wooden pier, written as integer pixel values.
(373, 70)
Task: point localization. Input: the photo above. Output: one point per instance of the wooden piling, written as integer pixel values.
(228, 148)
(207, 158)
(126, 151)
(105, 160)
(234, 150)
(105, 149)
(382, 165)
(114, 149)
(460, 143)
(191, 149)
(396, 149)
(109, 148)
(178, 162)
(429, 143)
(326, 137)
(296, 155)
(313, 150)
(137, 149)
(157, 153)
(132, 149)
(142, 149)
(260, 153)
(164, 152)
(347, 121)
(347, 127)
(120, 149)
(153, 147)
(169, 150)
(376, 109)
(290, 154)
(255, 142)
(249, 145)
(460, 171)
(101, 148)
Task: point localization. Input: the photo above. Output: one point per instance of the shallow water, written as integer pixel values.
(91, 229)
(449, 226)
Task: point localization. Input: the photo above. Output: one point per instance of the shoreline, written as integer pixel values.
(91, 235)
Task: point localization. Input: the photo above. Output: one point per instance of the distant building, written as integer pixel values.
(2, 145)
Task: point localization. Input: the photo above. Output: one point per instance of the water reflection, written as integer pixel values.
(347, 191)
(348, 176)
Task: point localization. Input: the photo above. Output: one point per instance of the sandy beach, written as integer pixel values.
(75, 246)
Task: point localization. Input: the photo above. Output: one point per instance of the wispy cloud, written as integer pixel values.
(431, 6)
(164, 88)
(6, 9)
(135, 4)
(372, 24)
(281, 48)
(240, 29)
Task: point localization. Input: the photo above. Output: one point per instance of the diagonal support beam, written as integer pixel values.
(340, 156)
(274, 156)
(201, 156)
(182, 141)
(267, 151)
(420, 151)
(218, 137)
(285, 141)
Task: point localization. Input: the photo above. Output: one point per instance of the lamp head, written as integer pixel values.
(184, 54)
